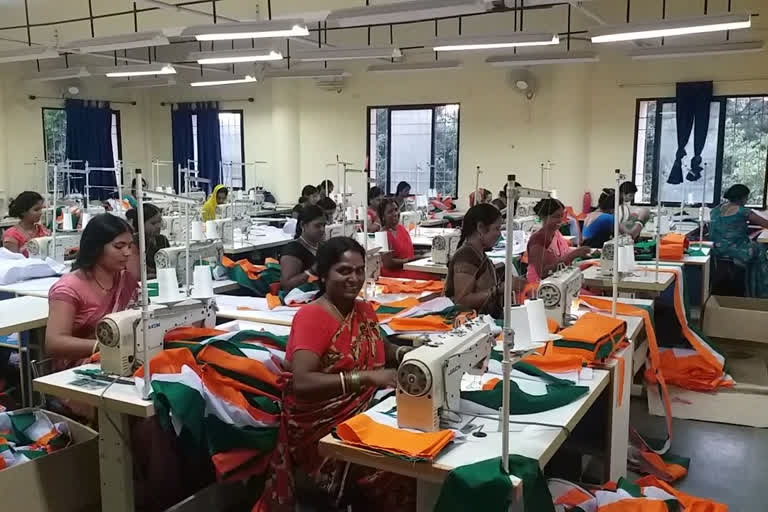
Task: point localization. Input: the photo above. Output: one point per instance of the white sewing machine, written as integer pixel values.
(176, 257)
(626, 256)
(173, 228)
(410, 218)
(121, 342)
(339, 229)
(429, 377)
(445, 246)
(558, 292)
(44, 247)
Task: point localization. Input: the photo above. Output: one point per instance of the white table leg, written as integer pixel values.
(705, 270)
(115, 463)
(618, 416)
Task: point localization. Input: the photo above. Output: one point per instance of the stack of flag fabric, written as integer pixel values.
(395, 285)
(260, 279)
(29, 434)
(220, 391)
(593, 337)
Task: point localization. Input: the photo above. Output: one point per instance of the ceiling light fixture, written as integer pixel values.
(247, 30)
(306, 73)
(404, 11)
(669, 28)
(236, 56)
(438, 65)
(119, 42)
(28, 53)
(145, 83)
(492, 42)
(536, 59)
(60, 74)
(246, 79)
(671, 52)
(322, 54)
(141, 70)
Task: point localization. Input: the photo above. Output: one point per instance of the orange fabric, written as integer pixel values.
(555, 362)
(689, 372)
(622, 369)
(273, 301)
(391, 285)
(635, 505)
(592, 328)
(191, 333)
(676, 239)
(552, 326)
(488, 386)
(362, 431)
(671, 252)
(253, 271)
(171, 361)
(672, 471)
(691, 503)
(408, 302)
(429, 323)
(573, 498)
(240, 365)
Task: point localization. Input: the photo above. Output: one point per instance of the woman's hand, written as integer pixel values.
(385, 378)
(581, 252)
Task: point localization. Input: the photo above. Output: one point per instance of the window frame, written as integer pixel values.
(719, 153)
(414, 106)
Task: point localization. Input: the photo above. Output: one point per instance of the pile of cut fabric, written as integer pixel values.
(260, 279)
(672, 247)
(27, 435)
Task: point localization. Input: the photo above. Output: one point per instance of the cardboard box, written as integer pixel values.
(736, 318)
(63, 481)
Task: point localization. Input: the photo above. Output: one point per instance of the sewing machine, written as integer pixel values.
(528, 224)
(121, 342)
(176, 257)
(626, 256)
(339, 229)
(44, 247)
(429, 377)
(410, 218)
(173, 228)
(558, 292)
(224, 231)
(444, 246)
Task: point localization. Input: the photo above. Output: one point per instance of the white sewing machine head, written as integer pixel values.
(410, 219)
(626, 256)
(121, 342)
(339, 229)
(429, 377)
(558, 292)
(445, 246)
(176, 257)
(44, 247)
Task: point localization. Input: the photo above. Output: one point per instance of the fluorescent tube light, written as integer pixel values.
(438, 65)
(236, 56)
(306, 73)
(497, 41)
(141, 70)
(534, 59)
(145, 84)
(669, 28)
(28, 53)
(322, 54)
(119, 42)
(671, 52)
(244, 80)
(60, 74)
(248, 30)
(404, 11)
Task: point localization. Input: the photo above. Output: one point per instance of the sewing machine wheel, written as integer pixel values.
(414, 378)
(108, 333)
(439, 243)
(550, 295)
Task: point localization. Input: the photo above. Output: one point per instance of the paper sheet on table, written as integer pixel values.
(15, 267)
(251, 303)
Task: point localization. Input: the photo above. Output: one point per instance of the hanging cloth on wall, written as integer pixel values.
(208, 142)
(89, 139)
(693, 99)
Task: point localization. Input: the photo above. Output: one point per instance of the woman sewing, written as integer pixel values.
(28, 208)
(402, 192)
(337, 361)
(104, 279)
(131, 198)
(375, 195)
(217, 197)
(548, 248)
(599, 225)
(472, 281)
(729, 233)
(298, 257)
(325, 188)
(400, 245)
(153, 224)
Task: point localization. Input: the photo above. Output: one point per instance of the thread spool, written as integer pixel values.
(361, 212)
(202, 287)
(86, 218)
(239, 195)
(197, 234)
(537, 320)
(520, 323)
(168, 285)
(160, 189)
(252, 195)
(66, 221)
(169, 190)
(350, 213)
(211, 230)
(380, 239)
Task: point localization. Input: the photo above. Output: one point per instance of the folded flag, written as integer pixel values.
(365, 431)
(27, 435)
(593, 337)
(257, 278)
(550, 394)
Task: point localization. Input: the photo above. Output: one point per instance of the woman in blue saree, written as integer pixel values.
(729, 233)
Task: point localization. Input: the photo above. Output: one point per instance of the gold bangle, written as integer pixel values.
(354, 381)
(95, 348)
(343, 383)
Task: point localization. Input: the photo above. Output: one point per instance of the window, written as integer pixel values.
(417, 144)
(736, 150)
(55, 135)
(232, 147)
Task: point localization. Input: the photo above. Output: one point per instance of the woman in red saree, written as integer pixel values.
(400, 245)
(337, 360)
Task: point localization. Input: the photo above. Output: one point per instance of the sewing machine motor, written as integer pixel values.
(43, 247)
(176, 257)
(429, 377)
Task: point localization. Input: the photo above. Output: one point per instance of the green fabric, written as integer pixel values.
(388, 310)
(671, 458)
(260, 286)
(278, 340)
(631, 488)
(529, 369)
(605, 350)
(483, 486)
(520, 402)
(21, 422)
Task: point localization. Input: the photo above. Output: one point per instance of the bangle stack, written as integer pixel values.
(350, 381)
(343, 383)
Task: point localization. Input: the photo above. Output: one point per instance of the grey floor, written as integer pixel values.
(729, 463)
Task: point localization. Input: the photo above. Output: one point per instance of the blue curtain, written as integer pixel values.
(208, 142)
(693, 99)
(89, 138)
(181, 130)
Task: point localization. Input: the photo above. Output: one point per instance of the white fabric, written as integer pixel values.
(14, 267)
